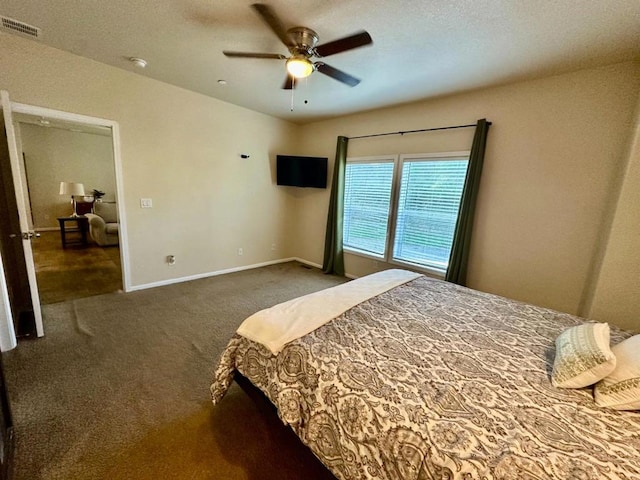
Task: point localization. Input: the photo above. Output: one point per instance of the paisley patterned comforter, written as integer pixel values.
(431, 380)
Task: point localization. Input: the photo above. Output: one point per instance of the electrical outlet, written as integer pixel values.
(171, 259)
(273, 247)
(240, 252)
(146, 203)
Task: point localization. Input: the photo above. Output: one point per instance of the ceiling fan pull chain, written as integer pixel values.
(293, 89)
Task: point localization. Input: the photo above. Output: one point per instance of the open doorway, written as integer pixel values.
(74, 256)
(23, 232)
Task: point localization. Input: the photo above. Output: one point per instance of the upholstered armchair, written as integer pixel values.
(103, 223)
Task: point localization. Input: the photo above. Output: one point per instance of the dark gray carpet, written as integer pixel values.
(118, 387)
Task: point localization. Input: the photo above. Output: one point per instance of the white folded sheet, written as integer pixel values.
(276, 326)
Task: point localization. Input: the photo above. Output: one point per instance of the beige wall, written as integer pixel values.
(617, 294)
(553, 166)
(53, 155)
(179, 148)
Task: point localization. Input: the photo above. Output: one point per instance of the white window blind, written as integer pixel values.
(367, 200)
(427, 210)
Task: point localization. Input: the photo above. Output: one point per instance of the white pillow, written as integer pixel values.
(620, 389)
(583, 356)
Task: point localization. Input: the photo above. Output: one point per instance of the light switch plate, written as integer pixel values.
(146, 203)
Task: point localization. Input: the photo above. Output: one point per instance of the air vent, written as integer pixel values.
(20, 27)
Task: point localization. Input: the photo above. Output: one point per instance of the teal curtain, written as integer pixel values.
(459, 258)
(333, 251)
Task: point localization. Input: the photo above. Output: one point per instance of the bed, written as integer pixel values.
(431, 380)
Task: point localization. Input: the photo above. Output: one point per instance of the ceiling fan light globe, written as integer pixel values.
(299, 67)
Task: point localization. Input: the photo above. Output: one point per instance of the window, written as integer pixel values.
(430, 191)
(413, 200)
(367, 193)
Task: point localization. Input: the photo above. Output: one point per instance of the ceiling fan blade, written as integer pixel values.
(276, 56)
(337, 74)
(289, 84)
(270, 18)
(347, 43)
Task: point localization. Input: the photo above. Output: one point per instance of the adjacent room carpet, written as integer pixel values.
(119, 386)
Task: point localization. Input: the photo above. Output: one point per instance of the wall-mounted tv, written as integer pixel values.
(298, 171)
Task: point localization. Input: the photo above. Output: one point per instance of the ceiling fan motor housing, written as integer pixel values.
(304, 40)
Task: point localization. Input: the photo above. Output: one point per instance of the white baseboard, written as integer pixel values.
(307, 262)
(171, 281)
(317, 265)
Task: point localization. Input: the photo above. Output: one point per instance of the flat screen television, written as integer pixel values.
(298, 171)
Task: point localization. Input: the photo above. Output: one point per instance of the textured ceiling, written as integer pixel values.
(421, 48)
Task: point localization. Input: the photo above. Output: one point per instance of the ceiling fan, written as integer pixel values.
(301, 43)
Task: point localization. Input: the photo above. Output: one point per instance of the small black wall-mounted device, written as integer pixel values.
(244, 155)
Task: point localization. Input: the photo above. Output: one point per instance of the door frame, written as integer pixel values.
(117, 159)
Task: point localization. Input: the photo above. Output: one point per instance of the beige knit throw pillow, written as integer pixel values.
(620, 389)
(583, 356)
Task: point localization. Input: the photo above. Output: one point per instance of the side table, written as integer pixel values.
(82, 225)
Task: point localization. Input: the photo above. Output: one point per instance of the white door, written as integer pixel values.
(27, 235)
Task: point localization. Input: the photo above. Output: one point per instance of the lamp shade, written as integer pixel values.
(70, 188)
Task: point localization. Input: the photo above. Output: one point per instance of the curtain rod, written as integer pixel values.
(415, 131)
